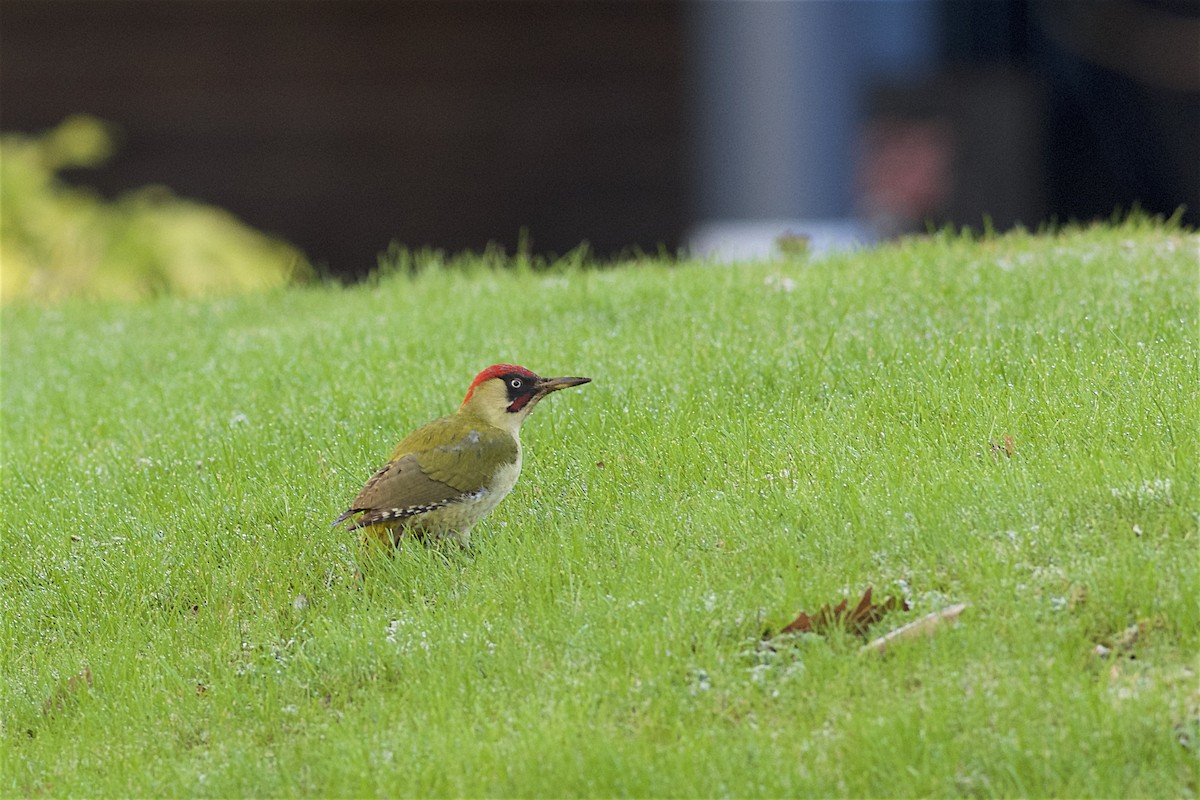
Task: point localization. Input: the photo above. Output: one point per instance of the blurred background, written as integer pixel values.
(720, 128)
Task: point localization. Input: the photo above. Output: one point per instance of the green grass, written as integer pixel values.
(757, 441)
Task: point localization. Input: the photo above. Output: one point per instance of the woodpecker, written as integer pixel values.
(446, 475)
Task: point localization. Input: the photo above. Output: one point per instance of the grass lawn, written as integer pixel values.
(1009, 423)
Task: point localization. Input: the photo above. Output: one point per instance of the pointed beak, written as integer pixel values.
(547, 385)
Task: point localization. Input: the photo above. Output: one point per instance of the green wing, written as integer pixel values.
(447, 460)
(461, 452)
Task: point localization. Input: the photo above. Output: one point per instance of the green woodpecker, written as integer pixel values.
(446, 475)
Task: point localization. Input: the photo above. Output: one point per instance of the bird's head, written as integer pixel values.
(504, 394)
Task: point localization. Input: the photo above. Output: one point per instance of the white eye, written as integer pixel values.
(515, 383)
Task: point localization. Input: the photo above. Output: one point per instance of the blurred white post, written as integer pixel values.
(777, 97)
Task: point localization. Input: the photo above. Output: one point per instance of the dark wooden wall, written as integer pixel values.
(342, 125)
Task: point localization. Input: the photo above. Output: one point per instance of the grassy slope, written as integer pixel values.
(757, 441)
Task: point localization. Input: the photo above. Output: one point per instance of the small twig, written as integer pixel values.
(925, 625)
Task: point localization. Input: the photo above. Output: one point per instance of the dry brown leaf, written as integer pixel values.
(855, 621)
